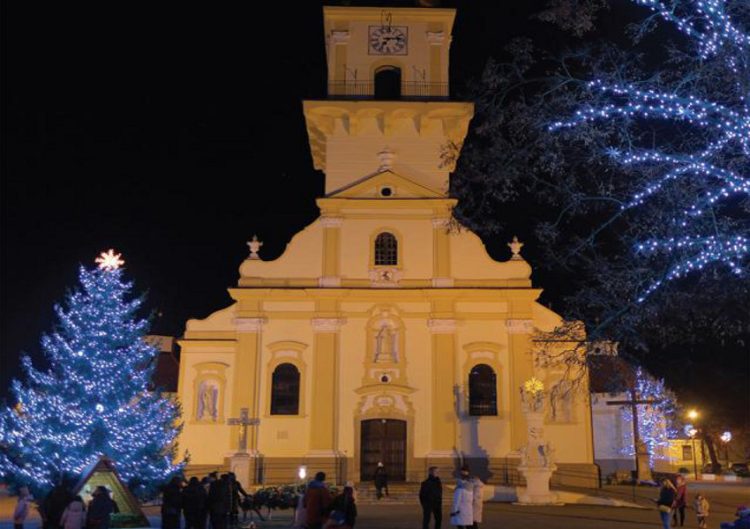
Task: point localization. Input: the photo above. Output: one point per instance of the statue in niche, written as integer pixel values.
(386, 344)
(208, 401)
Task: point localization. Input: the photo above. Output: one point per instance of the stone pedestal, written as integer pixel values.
(536, 455)
(243, 464)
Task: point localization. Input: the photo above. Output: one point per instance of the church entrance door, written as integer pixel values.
(383, 440)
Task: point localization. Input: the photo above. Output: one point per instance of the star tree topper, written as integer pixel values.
(109, 260)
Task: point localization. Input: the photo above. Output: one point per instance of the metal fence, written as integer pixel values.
(366, 90)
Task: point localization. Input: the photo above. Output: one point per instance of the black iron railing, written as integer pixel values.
(367, 90)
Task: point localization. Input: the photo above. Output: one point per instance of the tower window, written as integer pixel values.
(388, 82)
(285, 390)
(482, 390)
(386, 250)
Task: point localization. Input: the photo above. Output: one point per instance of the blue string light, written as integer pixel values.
(725, 125)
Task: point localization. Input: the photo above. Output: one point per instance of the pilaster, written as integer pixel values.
(441, 253)
(521, 369)
(443, 380)
(246, 380)
(325, 403)
(331, 251)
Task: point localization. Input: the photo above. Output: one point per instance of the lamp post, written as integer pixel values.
(725, 438)
(691, 433)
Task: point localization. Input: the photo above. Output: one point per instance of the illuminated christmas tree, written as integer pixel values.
(657, 419)
(95, 399)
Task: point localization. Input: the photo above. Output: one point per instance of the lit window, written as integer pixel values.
(386, 250)
(482, 390)
(285, 390)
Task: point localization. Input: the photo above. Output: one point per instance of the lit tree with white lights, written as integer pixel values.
(95, 399)
(656, 417)
(629, 159)
(718, 122)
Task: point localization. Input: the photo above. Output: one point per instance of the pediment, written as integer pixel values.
(373, 186)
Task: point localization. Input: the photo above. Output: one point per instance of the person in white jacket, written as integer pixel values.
(74, 516)
(462, 510)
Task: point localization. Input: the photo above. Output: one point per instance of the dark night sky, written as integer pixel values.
(171, 133)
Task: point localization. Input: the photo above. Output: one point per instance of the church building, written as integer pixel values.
(385, 332)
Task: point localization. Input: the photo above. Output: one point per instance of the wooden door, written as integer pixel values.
(383, 440)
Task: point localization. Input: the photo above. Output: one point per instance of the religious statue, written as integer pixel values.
(386, 344)
(208, 400)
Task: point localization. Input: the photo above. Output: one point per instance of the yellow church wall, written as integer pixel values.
(206, 441)
(420, 157)
(414, 240)
(301, 258)
(470, 260)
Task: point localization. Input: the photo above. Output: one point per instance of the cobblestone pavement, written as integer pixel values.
(724, 500)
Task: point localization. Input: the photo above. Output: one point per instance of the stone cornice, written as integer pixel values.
(331, 222)
(519, 326)
(449, 119)
(327, 324)
(249, 324)
(441, 325)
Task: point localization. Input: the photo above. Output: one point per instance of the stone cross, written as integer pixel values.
(642, 470)
(254, 246)
(243, 421)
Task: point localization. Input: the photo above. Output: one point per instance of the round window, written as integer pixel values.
(385, 379)
(386, 191)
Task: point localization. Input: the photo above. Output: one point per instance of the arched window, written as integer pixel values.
(388, 82)
(285, 390)
(482, 390)
(386, 250)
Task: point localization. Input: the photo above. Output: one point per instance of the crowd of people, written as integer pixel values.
(215, 503)
(61, 509)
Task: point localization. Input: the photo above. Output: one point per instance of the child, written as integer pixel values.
(22, 508)
(701, 510)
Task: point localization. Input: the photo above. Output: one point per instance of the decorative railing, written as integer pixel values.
(366, 90)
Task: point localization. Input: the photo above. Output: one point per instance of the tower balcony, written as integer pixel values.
(373, 90)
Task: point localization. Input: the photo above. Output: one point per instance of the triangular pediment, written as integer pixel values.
(378, 184)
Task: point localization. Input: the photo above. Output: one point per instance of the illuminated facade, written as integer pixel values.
(383, 333)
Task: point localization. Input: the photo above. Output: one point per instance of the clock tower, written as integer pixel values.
(388, 101)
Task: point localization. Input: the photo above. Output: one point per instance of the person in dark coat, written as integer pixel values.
(101, 507)
(381, 480)
(431, 499)
(343, 510)
(171, 504)
(54, 505)
(680, 501)
(194, 504)
(219, 502)
(237, 495)
(316, 501)
(665, 502)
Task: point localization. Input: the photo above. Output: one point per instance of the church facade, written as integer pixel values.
(385, 332)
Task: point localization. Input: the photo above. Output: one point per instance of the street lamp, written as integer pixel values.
(692, 414)
(725, 438)
(691, 432)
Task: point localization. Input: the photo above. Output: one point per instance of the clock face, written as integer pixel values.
(386, 40)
